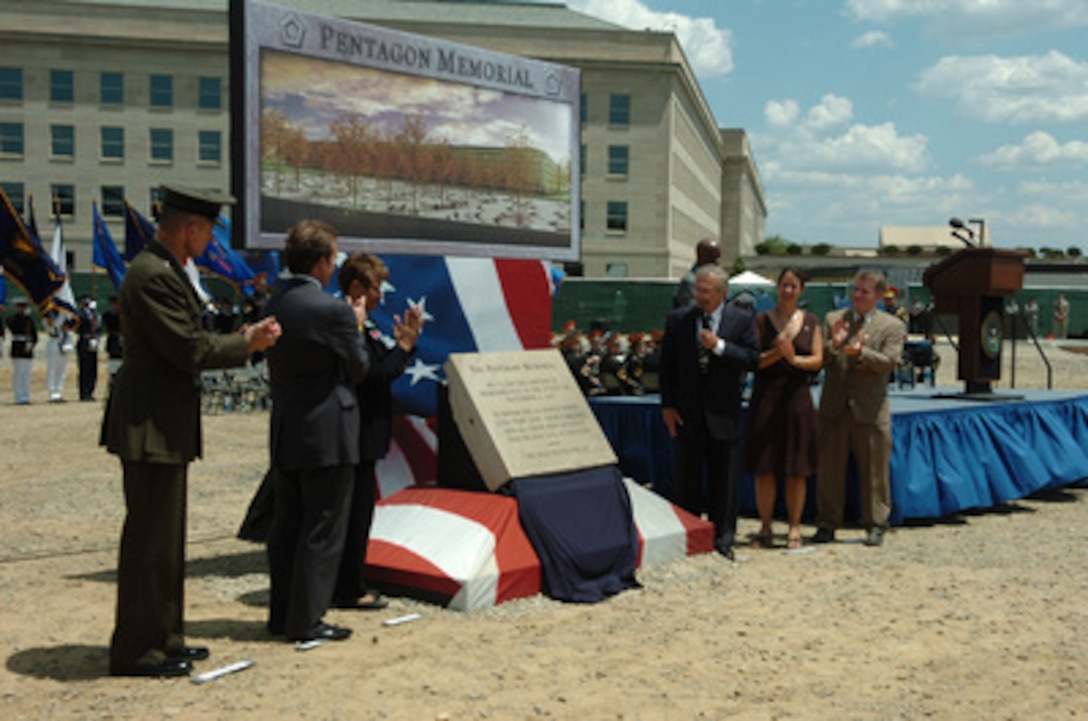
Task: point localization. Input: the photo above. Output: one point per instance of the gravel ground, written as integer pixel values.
(976, 616)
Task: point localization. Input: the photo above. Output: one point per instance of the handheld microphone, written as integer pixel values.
(704, 354)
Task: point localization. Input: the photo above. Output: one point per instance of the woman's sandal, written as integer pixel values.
(762, 541)
(793, 542)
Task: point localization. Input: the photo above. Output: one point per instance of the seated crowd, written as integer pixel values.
(605, 363)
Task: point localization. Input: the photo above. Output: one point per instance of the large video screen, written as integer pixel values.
(405, 143)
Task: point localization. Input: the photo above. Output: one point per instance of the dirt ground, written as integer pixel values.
(982, 615)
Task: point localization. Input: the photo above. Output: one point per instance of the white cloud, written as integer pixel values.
(1049, 213)
(1037, 216)
(1075, 191)
(831, 111)
(979, 17)
(1037, 148)
(809, 144)
(873, 146)
(872, 39)
(1023, 89)
(781, 113)
(895, 188)
(708, 47)
(812, 206)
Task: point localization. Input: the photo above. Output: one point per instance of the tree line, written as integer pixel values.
(358, 150)
(777, 245)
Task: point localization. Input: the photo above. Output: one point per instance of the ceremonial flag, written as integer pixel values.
(469, 304)
(197, 282)
(265, 263)
(219, 258)
(31, 221)
(64, 301)
(139, 231)
(24, 259)
(333, 286)
(105, 254)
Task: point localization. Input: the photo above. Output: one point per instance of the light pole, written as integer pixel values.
(981, 223)
(972, 239)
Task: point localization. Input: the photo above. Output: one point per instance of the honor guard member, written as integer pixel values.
(24, 336)
(57, 347)
(87, 347)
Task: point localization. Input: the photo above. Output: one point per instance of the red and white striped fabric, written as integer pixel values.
(467, 550)
(666, 532)
(413, 456)
(463, 549)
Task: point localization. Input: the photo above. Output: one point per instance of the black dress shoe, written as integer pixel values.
(725, 550)
(824, 535)
(190, 653)
(325, 632)
(163, 669)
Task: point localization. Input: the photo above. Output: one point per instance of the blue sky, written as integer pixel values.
(863, 113)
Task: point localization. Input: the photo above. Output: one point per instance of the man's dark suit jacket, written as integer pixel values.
(712, 399)
(313, 371)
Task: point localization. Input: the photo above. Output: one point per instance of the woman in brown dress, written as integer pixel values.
(780, 439)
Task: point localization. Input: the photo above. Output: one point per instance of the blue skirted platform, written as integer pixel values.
(948, 455)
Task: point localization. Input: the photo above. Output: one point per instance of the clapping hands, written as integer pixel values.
(407, 329)
(262, 334)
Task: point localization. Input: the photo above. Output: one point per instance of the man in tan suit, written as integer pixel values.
(152, 423)
(864, 346)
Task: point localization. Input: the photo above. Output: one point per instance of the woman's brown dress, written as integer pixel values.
(780, 435)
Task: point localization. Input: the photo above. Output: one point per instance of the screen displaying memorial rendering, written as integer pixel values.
(405, 143)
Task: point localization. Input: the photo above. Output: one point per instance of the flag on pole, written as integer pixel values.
(64, 302)
(139, 231)
(221, 259)
(265, 263)
(25, 261)
(105, 254)
(31, 221)
(198, 284)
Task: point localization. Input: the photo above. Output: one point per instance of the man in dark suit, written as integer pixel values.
(708, 349)
(361, 277)
(314, 369)
(152, 422)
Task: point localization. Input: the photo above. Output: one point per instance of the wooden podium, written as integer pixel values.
(973, 283)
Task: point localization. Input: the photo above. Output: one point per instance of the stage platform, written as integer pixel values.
(948, 455)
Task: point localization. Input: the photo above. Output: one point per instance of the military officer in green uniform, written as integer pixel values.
(152, 423)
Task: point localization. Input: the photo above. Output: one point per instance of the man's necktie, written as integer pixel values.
(704, 353)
